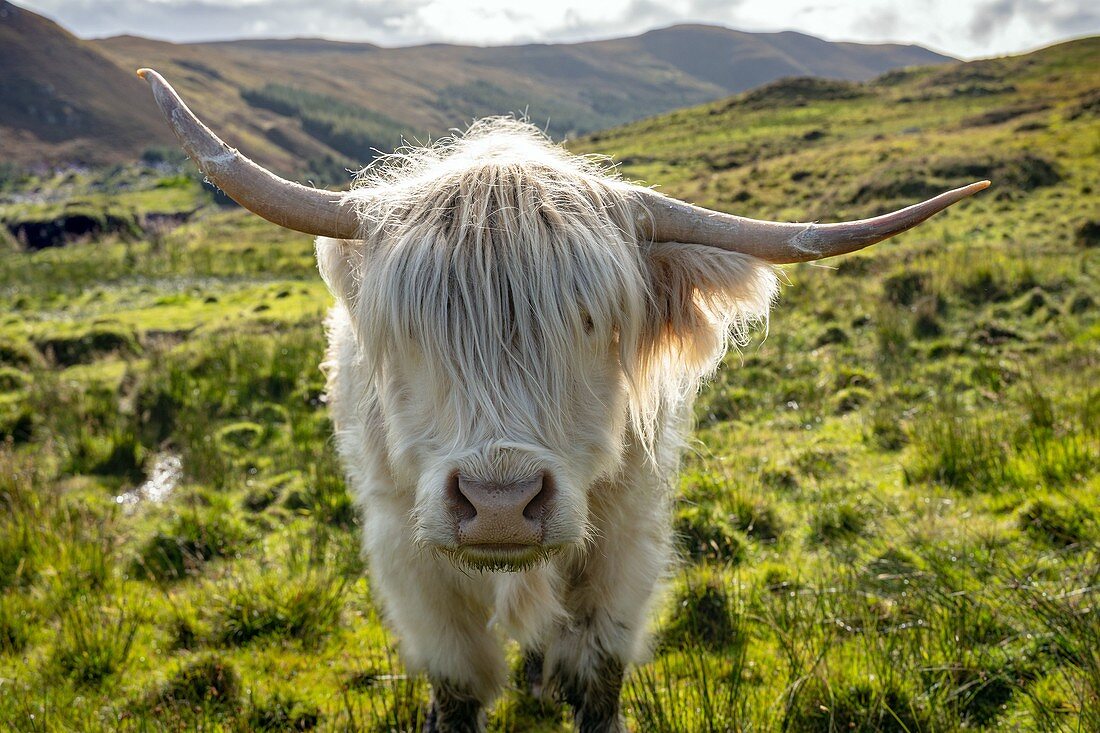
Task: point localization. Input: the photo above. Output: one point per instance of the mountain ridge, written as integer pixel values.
(314, 107)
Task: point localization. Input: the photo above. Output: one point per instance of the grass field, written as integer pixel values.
(889, 515)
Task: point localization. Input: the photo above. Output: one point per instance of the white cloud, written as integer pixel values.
(954, 26)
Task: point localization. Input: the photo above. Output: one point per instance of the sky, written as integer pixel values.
(963, 28)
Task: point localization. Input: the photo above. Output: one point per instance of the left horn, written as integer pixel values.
(672, 220)
(288, 204)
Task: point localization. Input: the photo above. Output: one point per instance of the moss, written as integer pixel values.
(240, 436)
(850, 399)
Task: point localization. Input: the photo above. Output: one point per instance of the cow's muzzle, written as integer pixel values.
(495, 517)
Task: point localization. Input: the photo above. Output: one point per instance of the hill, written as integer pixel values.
(62, 99)
(314, 107)
(888, 514)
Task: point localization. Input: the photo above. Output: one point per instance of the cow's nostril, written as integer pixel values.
(462, 508)
(535, 511)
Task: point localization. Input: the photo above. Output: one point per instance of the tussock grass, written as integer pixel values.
(92, 642)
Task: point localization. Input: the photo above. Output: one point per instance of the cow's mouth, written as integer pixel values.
(501, 558)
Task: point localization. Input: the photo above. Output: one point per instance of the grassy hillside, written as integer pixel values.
(888, 515)
(62, 99)
(312, 108)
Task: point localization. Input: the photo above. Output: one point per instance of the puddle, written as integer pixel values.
(166, 475)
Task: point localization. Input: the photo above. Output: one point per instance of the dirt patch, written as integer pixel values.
(35, 235)
(86, 347)
(39, 234)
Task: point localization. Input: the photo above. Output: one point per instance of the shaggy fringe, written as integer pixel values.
(496, 257)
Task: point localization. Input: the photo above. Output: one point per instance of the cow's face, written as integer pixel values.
(518, 336)
(495, 329)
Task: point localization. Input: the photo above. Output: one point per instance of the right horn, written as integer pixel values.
(672, 220)
(288, 204)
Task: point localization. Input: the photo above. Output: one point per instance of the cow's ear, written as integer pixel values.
(704, 296)
(339, 261)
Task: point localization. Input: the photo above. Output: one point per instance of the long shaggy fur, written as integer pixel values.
(500, 316)
(495, 248)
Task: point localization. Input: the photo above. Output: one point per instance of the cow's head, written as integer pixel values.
(525, 318)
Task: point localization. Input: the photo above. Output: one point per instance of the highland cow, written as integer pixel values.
(517, 339)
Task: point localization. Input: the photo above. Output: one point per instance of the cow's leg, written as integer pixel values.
(609, 596)
(441, 617)
(531, 672)
(594, 695)
(453, 710)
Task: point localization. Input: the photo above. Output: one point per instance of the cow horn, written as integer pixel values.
(672, 220)
(288, 204)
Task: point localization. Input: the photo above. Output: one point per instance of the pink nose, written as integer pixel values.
(492, 513)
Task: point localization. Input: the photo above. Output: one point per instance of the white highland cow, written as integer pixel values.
(514, 349)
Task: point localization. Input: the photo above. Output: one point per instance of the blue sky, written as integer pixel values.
(963, 28)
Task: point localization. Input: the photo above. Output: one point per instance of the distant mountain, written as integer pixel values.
(61, 98)
(313, 107)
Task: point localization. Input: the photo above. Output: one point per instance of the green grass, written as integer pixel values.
(888, 512)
